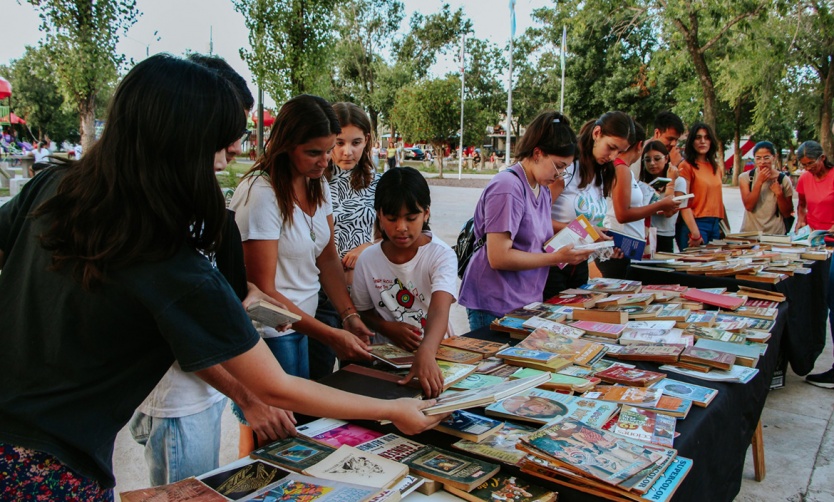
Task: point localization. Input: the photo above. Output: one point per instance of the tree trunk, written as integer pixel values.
(737, 166)
(825, 112)
(87, 113)
(374, 114)
(438, 157)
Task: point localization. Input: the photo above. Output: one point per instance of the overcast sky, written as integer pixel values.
(189, 24)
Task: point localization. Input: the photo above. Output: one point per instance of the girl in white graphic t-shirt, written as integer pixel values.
(405, 285)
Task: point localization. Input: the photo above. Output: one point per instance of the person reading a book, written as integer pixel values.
(585, 186)
(631, 207)
(767, 194)
(405, 285)
(513, 217)
(284, 211)
(352, 178)
(816, 210)
(704, 180)
(111, 251)
(655, 164)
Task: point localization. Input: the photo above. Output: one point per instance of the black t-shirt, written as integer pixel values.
(77, 363)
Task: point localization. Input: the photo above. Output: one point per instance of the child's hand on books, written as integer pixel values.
(349, 347)
(407, 415)
(403, 335)
(356, 325)
(426, 371)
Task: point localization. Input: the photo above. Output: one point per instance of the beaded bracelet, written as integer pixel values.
(345, 318)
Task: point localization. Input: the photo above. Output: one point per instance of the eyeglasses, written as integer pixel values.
(766, 158)
(656, 158)
(809, 165)
(561, 173)
(244, 136)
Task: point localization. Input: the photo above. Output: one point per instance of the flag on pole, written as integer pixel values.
(512, 18)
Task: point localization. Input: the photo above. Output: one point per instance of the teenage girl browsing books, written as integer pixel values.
(656, 164)
(404, 285)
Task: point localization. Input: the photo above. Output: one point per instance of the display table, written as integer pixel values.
(807, 314)
(716, 438)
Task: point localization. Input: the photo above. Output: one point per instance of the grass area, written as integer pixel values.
(4, 192)
(230, 178)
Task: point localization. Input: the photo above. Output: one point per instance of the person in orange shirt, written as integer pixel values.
(703, 174)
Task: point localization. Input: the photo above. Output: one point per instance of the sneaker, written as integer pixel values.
(824, 380)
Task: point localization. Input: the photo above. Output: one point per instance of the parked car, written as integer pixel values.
(414, 154)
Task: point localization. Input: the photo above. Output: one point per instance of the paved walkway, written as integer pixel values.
(797, 420)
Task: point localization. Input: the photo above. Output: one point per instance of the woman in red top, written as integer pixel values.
(816, 209)
(704, 179)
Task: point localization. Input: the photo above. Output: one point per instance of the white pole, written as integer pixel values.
(562, 57)
(462, 72)
(509, 96)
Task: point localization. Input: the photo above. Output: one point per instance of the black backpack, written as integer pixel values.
(790, 219)
(467, 244)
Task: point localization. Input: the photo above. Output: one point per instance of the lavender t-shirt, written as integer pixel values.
(508, 204)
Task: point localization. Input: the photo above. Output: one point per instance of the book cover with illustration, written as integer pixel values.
(506, 488)
(484, 347)
(241, 481)
(392, 447)
(476, 381)
(646, 425)
(301, 488)
(190, 489)
(708, 357)
(336, 433)
(576, 350)
(451, 469)
(543, 406)
(393, 355)
(698, 394)
(294, 453)
(471, 426)
(452, 354)
(499, 446)
(629, 376)
(635, 396)
(350, 465)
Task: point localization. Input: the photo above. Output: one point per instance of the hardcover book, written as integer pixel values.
(484, 347)
(701, 396)
(393, 355)
(241, 481)
(369, 382)
(350, 465)
(506, 488)
(190, 489)
(293, 453)
(471, 426)
(446, 353)
(722, 301)
(451, 469)
(712, 358)
(645, 425)
(499, 446)
(336, 433)
(542, 406)
(271, 315)
(629, 376)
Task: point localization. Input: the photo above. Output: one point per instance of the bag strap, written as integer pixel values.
(481, 242)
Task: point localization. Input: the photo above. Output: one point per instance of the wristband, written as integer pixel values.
(693, 238)
(345, 318)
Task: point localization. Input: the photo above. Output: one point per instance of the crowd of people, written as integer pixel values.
(126, 278)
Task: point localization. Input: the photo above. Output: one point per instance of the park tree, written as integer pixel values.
(81, 38)
(366, 29)
(38, 99)
(429, 110)
(290, 42)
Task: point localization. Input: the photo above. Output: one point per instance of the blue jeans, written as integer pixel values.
(479, 318)
(707, 226)
(177, 448)
(291, 352)
(323, 358)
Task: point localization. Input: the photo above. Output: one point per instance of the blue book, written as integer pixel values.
(632, 248)
(663, 489)
(526, 354)
(471, 426)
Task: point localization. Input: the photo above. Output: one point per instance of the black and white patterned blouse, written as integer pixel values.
(353, 211)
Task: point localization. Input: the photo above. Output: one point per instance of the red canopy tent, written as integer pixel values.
(5, 88)
(268, 118)
(12, 119)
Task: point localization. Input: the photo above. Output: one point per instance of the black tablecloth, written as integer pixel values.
(807, 316)
(716, 438)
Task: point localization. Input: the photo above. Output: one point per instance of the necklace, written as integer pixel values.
(531, 185)
(309, 223)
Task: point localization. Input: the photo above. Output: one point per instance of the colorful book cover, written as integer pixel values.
(709, 357)
(446, 353)
(701, 318)
(454, 372)
(301, 488)
(629, 376)
(499, 446)
(393, 355)
(476, 381)
(645, 425)
(543, 406)
(557, 381)
(242, 481)
(392, 447)
(337, 432)
(295, 454)
(350, 465)
(507, 488)
(609, 285)
(558, 328)
(723, 301)
(474, 345)
(671, 478)
(674, 406)
(657, 353)
(714, 334)
(484, 395)
(631, 247)
(582, 352)
(526, 354)
(637, 396)
(591, 451)
(187, 489)
(450, 468)
(699, 395)
(612, 330)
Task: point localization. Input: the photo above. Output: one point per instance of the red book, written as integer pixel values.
(722, 301)
(630, 376)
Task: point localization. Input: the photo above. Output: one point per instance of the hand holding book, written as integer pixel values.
(427, 373)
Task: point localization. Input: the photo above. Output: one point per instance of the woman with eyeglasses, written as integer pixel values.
(512, 217)
(816, 209)
(767, 194)
(656, 164)
(704, 179)
(585, 187)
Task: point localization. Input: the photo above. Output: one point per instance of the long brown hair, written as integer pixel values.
(361, 175)
(689, 152)
(147, 186)
(617, 124)
(301, 119)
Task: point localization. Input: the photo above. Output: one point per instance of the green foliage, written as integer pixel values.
(81, 38)
(290, 43)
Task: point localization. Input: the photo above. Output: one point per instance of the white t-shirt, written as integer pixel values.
(572, 201)
(403, 292)
(635, 229)
(41, 153)
(296, 273)
(179, 394)
(666, 226)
